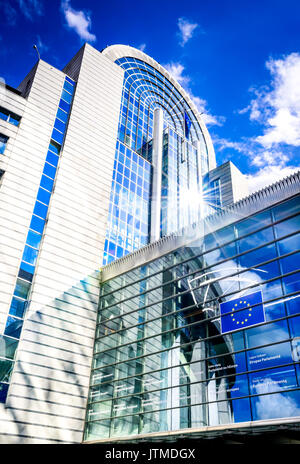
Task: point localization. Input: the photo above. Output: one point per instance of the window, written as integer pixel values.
(20, 299)
(216, 192)
(9, 116)
(3, 142)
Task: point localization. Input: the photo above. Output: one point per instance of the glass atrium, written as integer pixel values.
(185, 159)
(206, 335)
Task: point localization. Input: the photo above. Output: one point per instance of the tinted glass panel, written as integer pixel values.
(265, 334)
(49, 170)
(60, 125)
(3, 142)
(44, 196)
(14, 120)
(66, 96)
(3, 392)
(26, 271)
(37, 224)
(67, 78)
(33, 239)
(47, 183)
(3, 115)
(253, 223)
(17, 307)
(52, 158)
(22, 288)
(219, 237)
(64, 105)
(62, 115)
(255, 240)
(54, 147)
(7, 347)
(40, 209)
(58, 136)
(269, 356)
(294, 323)
(258, 256)
(290, 263)
(5, 370)
(276, 405)
(13, 327)
(289, 244)
(69, 87)
(287, 227)
(287, 208)
(291, 283)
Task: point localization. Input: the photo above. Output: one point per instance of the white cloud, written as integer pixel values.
(80, 21)
(10, 13)
(30, 8)
(274, 406)
(277, 106)
(177, 72)
(268, 175)
(2, 88)
(209, 119)
(270, 165)
(223, 144)
(42, 47)
(142, 47)
(186, 30)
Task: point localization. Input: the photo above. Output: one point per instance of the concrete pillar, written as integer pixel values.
(157, 150)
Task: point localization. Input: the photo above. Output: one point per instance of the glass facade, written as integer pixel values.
(128, 215)
(3, 142)
(206, 335)
(185, 156)
(21, 295)
(181, 190)
(9, 116)
(212, 198)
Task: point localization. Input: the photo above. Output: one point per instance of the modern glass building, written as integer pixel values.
(140, 294)
(205, 335)
(161, 154)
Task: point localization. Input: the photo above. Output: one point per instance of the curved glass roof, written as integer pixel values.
(146, 89)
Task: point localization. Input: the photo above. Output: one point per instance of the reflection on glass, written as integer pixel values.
(163, 360)
(276, 405)
(273, 380)
(253, 223)
(286, 209)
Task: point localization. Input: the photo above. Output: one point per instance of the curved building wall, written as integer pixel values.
(117, 52)
(205, 336)
(167, 173)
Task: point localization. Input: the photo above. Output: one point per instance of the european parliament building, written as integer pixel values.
(144, 294)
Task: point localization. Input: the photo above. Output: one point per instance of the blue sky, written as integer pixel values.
(238, 60)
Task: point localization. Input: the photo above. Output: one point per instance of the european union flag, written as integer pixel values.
(242, 312)
(187, 125)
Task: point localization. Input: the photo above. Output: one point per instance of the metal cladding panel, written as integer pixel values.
(23, 162)
(55, 351)
(23, 165)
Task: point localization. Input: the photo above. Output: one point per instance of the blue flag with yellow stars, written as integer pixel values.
(242, 312)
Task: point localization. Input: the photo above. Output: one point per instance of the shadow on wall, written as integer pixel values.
(49, 385)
